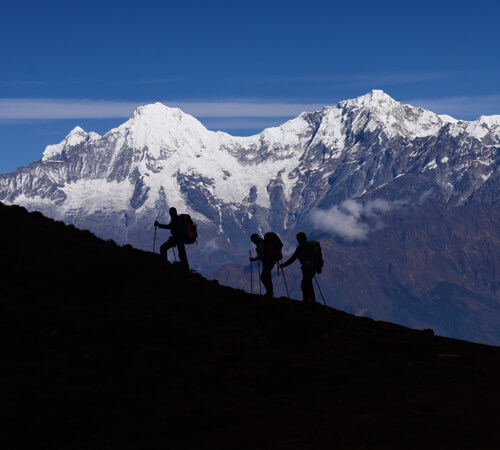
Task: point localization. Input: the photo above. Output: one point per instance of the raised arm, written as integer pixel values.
(291, 259)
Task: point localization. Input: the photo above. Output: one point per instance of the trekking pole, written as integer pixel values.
(320, 291)
(251, 272)
(260, 281)
(175, 256)
(154, 241)
(284, 281)
(287, 294)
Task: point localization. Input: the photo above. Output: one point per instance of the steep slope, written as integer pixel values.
(107, 348)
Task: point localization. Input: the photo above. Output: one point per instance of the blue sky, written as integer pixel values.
(236, 66)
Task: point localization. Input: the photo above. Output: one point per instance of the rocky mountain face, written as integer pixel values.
(404, 201)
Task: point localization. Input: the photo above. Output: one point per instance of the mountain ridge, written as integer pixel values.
(329, 136)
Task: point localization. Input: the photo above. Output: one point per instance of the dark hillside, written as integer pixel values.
(104, 348)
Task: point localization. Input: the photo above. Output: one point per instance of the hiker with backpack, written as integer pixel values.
(311, 260)
(269, 252)
(183, 231)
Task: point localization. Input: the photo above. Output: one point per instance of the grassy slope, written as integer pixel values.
(106, 348)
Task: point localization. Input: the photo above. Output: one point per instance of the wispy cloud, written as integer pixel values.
(225, 114)
(100, 109)
(211, 246)
(466, 108)
(29, 109)
(352, 220)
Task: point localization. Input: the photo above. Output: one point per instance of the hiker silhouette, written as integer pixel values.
(177, 239)
(311, 260)
(269, 252)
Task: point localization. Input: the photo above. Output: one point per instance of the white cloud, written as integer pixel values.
(211, 246)
(225, 114)
(465, 108)
(352, 220)
(339, 221)
(12, 109)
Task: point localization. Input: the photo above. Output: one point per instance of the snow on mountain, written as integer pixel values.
(164, 144)
(364, 148)
(58, 152)
(484, 126)
(379, 109)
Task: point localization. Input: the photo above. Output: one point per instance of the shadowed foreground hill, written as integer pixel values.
(105, 348)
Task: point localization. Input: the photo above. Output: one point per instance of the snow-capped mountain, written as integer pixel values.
(118, 184)
(357, 171)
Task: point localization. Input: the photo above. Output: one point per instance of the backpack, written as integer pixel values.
(317, 256)
(273, 246)
(190, 234)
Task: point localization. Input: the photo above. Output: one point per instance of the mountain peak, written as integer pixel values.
(76, 130)
(76, 136)
(375, 98)
(378, 110)
(157, 126)
(160, 111)
(378, 94)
